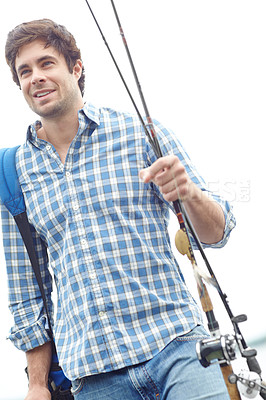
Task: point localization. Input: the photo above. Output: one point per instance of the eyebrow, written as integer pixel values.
(39, 60)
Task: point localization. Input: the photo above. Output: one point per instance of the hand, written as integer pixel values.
(38, 393)
(170, 175)
(206, 215)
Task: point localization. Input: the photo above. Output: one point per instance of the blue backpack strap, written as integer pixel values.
(12, 197)
(10, 190)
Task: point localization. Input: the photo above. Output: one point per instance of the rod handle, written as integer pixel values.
(205, 300)
(227, 370)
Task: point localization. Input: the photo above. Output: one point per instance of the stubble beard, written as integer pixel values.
(57, 109)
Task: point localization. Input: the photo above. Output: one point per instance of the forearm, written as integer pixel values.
(39, 362)
(206, 215)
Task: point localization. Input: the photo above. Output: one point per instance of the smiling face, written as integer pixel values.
(48, 86)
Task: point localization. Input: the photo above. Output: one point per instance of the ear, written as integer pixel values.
(77, 69)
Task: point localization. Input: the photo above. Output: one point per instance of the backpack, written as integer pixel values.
(12, 197)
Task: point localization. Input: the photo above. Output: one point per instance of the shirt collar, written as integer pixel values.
(89, 110)
(92, 112)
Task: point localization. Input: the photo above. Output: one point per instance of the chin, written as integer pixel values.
(49, 112)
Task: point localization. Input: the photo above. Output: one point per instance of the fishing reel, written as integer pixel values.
(249, 384)
(222, 349)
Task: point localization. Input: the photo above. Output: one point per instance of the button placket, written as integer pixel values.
(90, 254)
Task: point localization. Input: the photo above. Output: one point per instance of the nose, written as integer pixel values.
(37, 77)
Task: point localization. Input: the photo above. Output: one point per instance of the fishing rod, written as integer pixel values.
(219, 346)
(153, 140)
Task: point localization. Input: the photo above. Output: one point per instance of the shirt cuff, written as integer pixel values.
(30, 337)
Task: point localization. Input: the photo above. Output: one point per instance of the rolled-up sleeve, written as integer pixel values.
(24, 297)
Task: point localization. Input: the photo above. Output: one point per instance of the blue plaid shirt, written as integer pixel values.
(102, 232)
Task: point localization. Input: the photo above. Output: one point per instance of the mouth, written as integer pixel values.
(42, 94)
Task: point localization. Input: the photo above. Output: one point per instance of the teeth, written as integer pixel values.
(42, 94)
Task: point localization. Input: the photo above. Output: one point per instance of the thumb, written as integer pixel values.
(145, 175)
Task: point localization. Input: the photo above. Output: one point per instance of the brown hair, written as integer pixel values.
(53, 34)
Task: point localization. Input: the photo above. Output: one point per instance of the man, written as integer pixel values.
(98, 201)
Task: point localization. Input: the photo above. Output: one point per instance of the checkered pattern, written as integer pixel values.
(102, 232)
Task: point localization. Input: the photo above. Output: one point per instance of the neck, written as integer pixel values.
(61, 131)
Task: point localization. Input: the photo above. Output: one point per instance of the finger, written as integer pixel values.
(161, 177)
(160, 165)
(168, 187)
(177, 193)
(171, 196)
(145, 175)
(162, 170)
(176, 173)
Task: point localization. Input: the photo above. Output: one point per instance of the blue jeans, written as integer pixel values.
(173, 374)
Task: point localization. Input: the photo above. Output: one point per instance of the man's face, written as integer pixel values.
(47, 85)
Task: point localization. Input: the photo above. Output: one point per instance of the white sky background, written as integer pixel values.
(202, 68)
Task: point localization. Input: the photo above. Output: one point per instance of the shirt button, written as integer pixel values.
(68, 174)
(48, 147)
(83, 242)
(75, 206)
(102, 314)
(93, 275)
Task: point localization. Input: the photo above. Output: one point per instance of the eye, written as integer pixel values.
(47, 63)
(24, 72)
